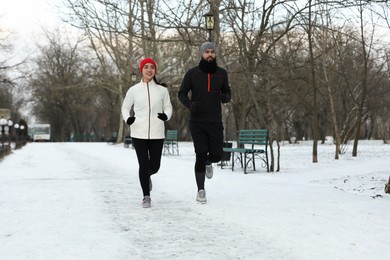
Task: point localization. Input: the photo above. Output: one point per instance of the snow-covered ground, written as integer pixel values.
(83, 201)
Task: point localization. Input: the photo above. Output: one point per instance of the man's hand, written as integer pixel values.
(195, 107)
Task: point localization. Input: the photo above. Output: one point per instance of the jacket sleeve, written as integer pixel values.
(167, 106)
(184, 89)
(126, 106)
(225, 90)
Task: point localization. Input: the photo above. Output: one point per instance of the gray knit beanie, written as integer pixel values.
(205, 46)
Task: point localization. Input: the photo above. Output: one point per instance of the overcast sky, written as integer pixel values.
(28, 16)
(24, 19)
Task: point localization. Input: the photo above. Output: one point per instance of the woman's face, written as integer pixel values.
(148, 72)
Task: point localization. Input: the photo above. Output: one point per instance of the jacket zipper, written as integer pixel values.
(147, 84)
(208, 82)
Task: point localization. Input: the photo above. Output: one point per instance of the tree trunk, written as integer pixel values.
(314, 86)
(364, 85)
(333, 116)
(387, 187)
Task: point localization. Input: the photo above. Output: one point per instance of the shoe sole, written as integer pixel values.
(203, 201)
(147, 205)
(209, 174)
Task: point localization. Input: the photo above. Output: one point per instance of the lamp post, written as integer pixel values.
(3, 123)
(10, 124)
(23, 136)
(16, 126)
(210, 23)
(133, 78)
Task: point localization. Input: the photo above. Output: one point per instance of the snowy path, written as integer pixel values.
(82, 201)
(50, 208)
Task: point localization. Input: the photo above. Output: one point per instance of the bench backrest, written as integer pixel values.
(172, 135)
(253, 137)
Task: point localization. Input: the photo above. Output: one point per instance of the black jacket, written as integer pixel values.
(208, 91)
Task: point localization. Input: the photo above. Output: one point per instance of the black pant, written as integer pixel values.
(208, 144)
(149, 159)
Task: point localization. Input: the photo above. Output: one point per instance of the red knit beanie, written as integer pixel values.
(147, 60)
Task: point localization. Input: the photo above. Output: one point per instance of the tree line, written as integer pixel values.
(303, 69)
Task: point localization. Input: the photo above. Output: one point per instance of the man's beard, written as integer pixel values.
(208, 66)
(210, 59)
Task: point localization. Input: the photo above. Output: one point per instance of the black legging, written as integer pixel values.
(149, 159)
(208, 144)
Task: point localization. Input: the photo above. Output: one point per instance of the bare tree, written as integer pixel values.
(364, 75)
(313, 83)
(286, 65)
(8, 77)
(111, 29)
(62, 88)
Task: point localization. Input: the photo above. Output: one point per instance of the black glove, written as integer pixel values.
(130, 120)
(162, 116)
(195, 107)
(225, 98)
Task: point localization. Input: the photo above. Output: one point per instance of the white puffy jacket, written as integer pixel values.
(147, 100)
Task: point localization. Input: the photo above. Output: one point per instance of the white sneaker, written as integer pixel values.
(201, 196)
(209, 171)
(147, 202)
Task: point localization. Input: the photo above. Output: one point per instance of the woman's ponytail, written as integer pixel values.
(158, 83)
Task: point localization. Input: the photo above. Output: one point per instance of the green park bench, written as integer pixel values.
(251, 145)
(127, 141)
(171, 142)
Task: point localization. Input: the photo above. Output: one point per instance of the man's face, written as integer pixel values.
(209, 55)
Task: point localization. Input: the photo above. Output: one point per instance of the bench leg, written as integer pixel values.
(253, 161)
(245, 163)
(233, 161)
(242, 166)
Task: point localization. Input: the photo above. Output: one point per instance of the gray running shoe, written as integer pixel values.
(150, 184)
(147, 202)
(209, 171)
(201, 196)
